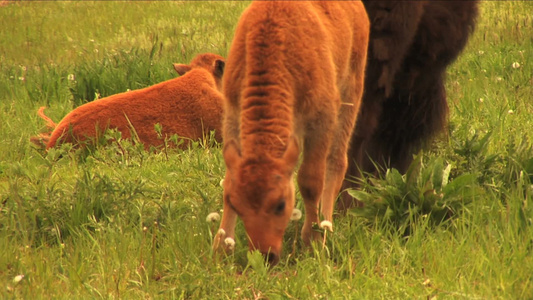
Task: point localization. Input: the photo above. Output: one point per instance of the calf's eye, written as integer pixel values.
(280, 207)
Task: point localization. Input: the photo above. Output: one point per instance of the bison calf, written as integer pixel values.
(189, 106)
(293, 83)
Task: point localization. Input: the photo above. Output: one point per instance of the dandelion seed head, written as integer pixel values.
(515, 65)
(18, 278)
(326, 225)
(296, 214)
(212, 217)
(221, 231)
(230, 243)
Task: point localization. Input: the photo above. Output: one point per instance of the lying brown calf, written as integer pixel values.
(293, 84)
(189, 106)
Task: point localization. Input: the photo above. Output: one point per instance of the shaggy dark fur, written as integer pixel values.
(404, 102)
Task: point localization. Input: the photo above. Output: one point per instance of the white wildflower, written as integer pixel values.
(481, 52)
(18, 278)
(427, 282)
(230, 243)
(499, 79)
(222, 182)
(516, 65)
(480, 100)
(510, 111)
(296, 214)
(22, 78)
(71, 77)
(212, 217)
(326, 225)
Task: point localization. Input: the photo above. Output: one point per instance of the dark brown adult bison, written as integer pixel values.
(404, 102)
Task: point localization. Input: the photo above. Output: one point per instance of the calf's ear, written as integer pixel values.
(182, 69)
(292, 152)
(232, 154)
(219, 68)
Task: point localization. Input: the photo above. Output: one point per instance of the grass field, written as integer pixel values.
(131, 224)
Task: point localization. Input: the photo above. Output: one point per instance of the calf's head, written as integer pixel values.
(211, 62)
(260, 190)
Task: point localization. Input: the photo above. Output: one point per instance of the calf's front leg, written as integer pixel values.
(226, 231)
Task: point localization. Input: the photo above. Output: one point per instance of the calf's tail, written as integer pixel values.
(50, 125)
(42, 139)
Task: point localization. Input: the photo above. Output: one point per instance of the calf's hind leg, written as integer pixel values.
(337, 160)
(311, 176)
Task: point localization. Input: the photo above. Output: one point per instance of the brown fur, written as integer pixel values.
(189, 106)
(293, 83)
(404, 103)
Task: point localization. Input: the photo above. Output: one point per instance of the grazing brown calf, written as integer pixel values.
(189, 106)
(293, 83)
(404, 103)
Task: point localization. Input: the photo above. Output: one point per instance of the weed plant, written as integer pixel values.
(116, 221)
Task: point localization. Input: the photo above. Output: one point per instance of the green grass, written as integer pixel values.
(119, 222)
